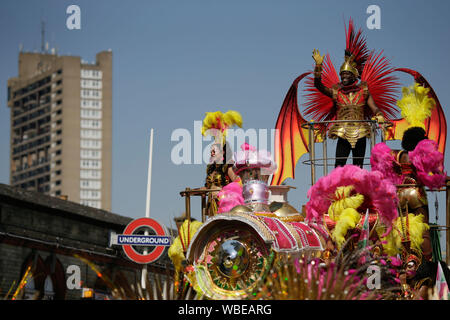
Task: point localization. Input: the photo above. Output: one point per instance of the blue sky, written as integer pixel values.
(175, 60)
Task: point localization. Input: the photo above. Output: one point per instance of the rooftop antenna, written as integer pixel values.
(42, 36)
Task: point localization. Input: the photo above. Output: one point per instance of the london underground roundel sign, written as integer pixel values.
(129, 238)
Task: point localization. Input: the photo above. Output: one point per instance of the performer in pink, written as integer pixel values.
(418, 165)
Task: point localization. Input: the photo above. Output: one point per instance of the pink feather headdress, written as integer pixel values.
(379, 194)
(428, 162)
(250, 157)
(383, 160)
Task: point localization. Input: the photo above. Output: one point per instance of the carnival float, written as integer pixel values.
(251, 243)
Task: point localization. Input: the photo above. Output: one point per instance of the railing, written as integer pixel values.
(201, 192)
(317, 125)
(313, 162)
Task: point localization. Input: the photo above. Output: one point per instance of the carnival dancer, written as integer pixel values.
(351, 99)
(415, 284)
(418, 165)
(345, 99)
(219, 171)
(418, 275)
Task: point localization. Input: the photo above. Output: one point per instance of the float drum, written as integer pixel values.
(232, 252)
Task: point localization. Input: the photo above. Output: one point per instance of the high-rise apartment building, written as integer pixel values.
(61, 127)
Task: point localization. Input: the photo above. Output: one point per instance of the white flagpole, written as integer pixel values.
(149, 176)
(147, 205)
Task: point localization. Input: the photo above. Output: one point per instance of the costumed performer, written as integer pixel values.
(351, 99)
(418, 164)
(219, 171)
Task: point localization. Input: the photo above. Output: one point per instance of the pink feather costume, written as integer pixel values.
(425, 168)
(230, 196)
(427, 164)
(379, 193)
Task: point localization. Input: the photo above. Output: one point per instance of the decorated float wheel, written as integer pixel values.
(231, 261)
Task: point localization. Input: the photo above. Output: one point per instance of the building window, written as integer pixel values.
(94, 134)
(90, 174)
(90, 154)
(91, 124)
(91, 84)
(91, 74)
(91, 144)
(91, 203)
(90, 194)
(91, 114)
(49, 292)
(90, 93)
(90, 184)
(91, 164)
(91, 104)
(35, 269)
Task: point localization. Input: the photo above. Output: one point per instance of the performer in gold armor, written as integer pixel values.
(353, 101)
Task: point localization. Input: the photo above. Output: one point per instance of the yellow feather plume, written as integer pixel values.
(347, 220)
(344, 201)
(221, 121)
(232, 117)
(181, 243)
(416, 105)
(416, 229)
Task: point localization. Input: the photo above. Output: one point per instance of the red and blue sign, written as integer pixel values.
(160, 240)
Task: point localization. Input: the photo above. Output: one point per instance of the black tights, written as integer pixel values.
(343, 149)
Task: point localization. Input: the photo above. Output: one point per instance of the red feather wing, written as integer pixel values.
(382, 84)
(291, 140)
(436, 125)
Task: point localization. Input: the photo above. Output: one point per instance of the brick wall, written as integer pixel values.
(42, 226)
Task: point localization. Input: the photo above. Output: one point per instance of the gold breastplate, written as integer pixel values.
(351, 131)
(350, 106)
(214, 180)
